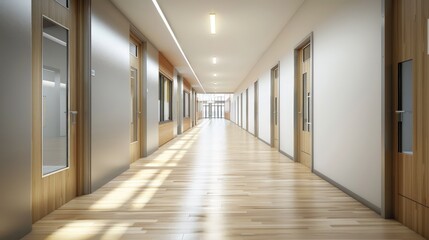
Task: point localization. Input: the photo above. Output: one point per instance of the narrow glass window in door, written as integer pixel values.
(405, 107)
(55, 98)
(134, 106)
(304, 103)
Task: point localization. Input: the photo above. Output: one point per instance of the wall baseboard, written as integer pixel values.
(287, 155)
(264, 141)
(348, 192)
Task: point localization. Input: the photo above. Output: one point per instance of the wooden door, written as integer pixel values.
(54, 130)
(135, 81)
(411, 120)
(275, 106)
(305, 106)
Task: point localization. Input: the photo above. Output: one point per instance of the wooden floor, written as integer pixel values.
(217, 182)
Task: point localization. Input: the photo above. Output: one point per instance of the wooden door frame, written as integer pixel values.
(307, 40)
(277, 66)
(143, 85)
(136, 40)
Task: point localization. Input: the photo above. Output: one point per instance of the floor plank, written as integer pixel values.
(217, 182)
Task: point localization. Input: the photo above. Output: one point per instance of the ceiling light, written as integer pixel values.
(212, 23)
(214, 60)
(214, 83)
(167, 25)
(215, 75)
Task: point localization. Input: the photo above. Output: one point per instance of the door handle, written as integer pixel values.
(73, 116)
(400, 115)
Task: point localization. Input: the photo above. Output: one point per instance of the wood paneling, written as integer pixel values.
(412, 215)
(166, 132)
(424, 34)
(217, 181)
(186, 85)
(411, 171)
(51, 192)
(165, 67)
(186, 124)
(227, 116)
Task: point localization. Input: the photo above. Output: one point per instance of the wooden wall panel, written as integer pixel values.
(425, 36)
(411, 171)
(166, 132)
(227, 116)
(186, 85)
(186, 124)
(165, 67)
(413, 215)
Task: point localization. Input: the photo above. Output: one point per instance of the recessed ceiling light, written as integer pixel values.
(212, 23)
(214, 83)
(214, 60)
(215, 75)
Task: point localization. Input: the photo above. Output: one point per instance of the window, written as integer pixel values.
(306, 100)
(134, 105)
(306, 53)
(64, 3)
(55, 97)
(165, 99)
(405, 107)
(133, 49)
(186, 104)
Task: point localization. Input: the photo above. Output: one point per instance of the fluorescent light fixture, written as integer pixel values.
(214, 60)
(54, 39)
(212, 23)
(48, 83)
(164, 19)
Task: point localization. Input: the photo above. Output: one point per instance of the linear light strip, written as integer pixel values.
(158, 8)
(212, 23)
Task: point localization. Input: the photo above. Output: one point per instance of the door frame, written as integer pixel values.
(256, 84)
(247, 109)
(277, 66)
(133, 38)
(307, 40)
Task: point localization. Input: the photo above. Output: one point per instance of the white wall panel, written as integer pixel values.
(244, 110)
(16, 118)
(347, 90)
(110, 93)
(347, 98)
(251, 114)
(264, 106)
(150, 93)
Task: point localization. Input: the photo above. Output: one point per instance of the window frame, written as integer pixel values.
(161, 98)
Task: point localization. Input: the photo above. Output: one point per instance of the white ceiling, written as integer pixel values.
(244, 30)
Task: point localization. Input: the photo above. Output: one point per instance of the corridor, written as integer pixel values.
(216, 181)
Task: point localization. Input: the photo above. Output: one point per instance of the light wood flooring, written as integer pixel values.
(216, 181)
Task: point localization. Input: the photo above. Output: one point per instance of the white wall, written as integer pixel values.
(16, 118)
(110, 93)
(347, 107)
(150, 99)
(264, 107)
(244, 109)
(251, 114)
(347, 90)
(239, 112)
